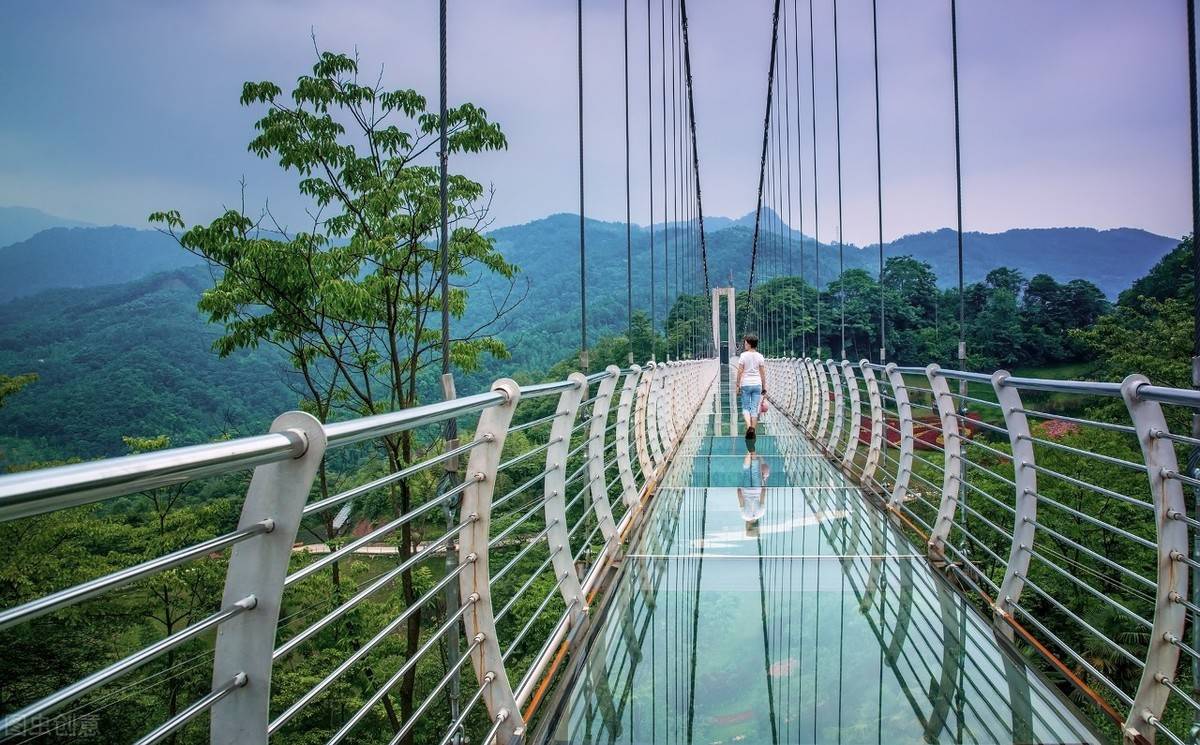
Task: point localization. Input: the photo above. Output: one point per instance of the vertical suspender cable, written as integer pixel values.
(778, 196)
(879, 186)
(662, 58)
(675, 184)
(1194, 458)
(444, 238)
(837, 108)
(778, 173)
(962, 300)
(451, 433)
(675, 142)
(687, 66)
(812, 68)
(628, 206)
(799, 175)
(787, 138)
(1194, 94)
(583, 348)
(650, 166)
(676, 160)
(763, 159)
(771, 237)
(772, 225)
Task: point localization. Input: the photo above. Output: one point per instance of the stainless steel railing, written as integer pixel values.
(1060, 504)
(554, 481)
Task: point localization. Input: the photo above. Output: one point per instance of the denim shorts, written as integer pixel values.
(751, 399)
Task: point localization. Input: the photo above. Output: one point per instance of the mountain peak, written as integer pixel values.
(22, 223)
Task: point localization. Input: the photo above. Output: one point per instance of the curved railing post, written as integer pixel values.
(951, 464)
(835, 384)
(670, 401)
(904, 412)
(474, 584)
(629, 490)
(799, 411)
(784, 371)
(641, 416)
(793, 373)
(664, 413)
(596, 465)
(805, 397)
(812, 398)
(658, 442)
(823, 393)
(554, 485)
(875, 448)
(652, 400)
(1025, 504)
(1170, 614)
(854, 426)
(257, 568)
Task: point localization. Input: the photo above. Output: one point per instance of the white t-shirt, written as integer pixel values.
(751, 363)
(752, 505)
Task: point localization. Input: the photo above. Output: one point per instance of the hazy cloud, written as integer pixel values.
(1074, 112)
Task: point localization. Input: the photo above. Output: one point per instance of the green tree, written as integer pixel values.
(997, 334)
(1171, 277)
(911, 298)
(1009, 280)
(10, 384)
(350, 299)
(1153, 338)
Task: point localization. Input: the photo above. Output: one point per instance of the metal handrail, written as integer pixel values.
(285, 465)
(1153, 572)
(49, 489)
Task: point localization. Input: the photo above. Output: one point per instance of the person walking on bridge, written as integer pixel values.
(751, 382)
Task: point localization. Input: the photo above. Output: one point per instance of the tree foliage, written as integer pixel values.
(1010, 321)
(352, 299)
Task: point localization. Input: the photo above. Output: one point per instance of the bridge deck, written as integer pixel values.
(816, 622)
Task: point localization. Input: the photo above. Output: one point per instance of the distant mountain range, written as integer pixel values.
(50, 252)
(106, 315)
(86, 257)
(21, 223)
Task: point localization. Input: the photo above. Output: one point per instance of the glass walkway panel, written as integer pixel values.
(766, 601)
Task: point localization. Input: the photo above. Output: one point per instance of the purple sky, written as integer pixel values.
(1074, 111)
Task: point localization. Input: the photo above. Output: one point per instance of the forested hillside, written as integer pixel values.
(86, 257)
(132, 359)
(136, 358)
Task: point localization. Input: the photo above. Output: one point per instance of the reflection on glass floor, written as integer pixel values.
(766, 601)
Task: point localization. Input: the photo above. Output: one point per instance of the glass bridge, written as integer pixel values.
(766, 601)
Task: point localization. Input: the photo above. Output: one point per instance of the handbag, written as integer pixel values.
(762, 407)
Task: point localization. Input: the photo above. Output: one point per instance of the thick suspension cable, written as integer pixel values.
(762, 166)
